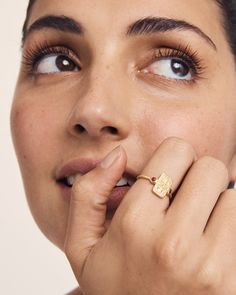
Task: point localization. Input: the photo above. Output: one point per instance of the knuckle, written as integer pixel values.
(94, 182)
(128, 222)
(79, 186)
(171, 253)
(180, 146)
(82, 187)
(131, 226)
(81, 193)
(86, 195)
(208, 277)
(215, 165)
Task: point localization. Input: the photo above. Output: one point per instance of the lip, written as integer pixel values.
(83, 166)
(72, 167)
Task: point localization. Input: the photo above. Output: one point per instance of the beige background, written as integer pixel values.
(29, 264)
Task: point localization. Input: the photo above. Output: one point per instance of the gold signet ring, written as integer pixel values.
(161, 185)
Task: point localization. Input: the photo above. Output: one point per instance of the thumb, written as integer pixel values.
(90, 193)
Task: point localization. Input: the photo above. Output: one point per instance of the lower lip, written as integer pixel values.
(114, 199)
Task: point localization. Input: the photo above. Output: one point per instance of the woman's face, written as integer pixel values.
(110, 77)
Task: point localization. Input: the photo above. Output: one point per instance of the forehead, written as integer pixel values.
(114, 15)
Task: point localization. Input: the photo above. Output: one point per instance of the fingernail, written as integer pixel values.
(111, 158)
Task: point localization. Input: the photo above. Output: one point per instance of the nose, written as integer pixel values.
(99, 111)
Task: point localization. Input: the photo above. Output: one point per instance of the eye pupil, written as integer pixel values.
(64, 63)
(179, 68)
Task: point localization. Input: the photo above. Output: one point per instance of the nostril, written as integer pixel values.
(110, 129)
(79, 128)
(107, 129)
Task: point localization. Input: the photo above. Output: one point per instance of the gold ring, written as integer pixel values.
(161, 185)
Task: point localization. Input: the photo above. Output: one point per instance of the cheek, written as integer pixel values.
(31, 130)
(203, 129)
(31, 127)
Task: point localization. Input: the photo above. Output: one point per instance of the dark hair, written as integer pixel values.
(31, 3)
(228, 8)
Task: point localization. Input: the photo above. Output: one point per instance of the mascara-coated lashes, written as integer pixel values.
(32, 56)
(180, 56)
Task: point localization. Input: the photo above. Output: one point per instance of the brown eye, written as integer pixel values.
(53, 63)
(179, 68)
(171, 68)
(65, 64)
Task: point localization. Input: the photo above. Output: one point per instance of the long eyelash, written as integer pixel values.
(185, 53)
(32, 56)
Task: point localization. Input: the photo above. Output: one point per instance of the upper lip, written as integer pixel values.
(83, 166)
(72, 167)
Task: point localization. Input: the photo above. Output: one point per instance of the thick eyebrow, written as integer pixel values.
(145, 26)
(60, 23)
(152, 25)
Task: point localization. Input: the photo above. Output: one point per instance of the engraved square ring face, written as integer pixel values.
(162, 186)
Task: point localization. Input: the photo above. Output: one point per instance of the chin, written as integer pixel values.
(53, 229)
(57, 238)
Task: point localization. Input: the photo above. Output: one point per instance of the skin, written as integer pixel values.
(111, 91)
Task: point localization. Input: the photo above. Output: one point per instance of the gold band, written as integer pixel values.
(161, 185)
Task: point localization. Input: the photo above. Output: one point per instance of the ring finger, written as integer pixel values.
(173, 157)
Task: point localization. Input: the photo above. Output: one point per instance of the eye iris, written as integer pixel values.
(179, 68)
(64, 63)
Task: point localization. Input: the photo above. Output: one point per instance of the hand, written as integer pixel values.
(152, 247)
